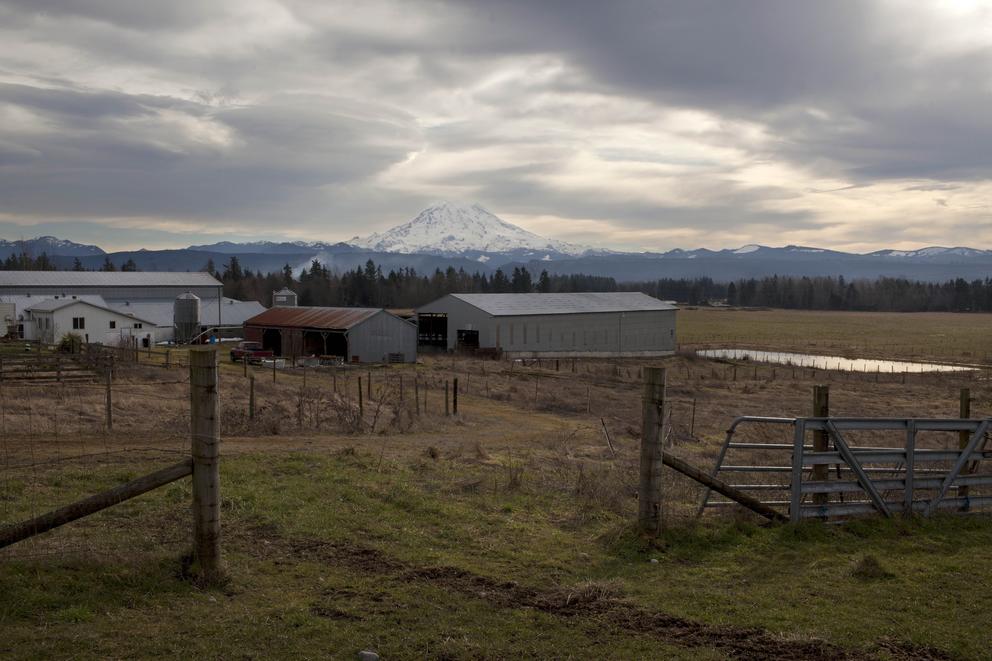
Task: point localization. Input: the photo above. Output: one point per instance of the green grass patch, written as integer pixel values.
(321, 550)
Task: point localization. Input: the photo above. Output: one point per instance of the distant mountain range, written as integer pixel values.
(48, 245)
(474, 239)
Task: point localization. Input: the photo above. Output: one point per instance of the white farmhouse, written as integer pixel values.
(52, 319)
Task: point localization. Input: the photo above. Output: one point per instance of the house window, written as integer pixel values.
(113, 324)
(79, 323)
(137, 325)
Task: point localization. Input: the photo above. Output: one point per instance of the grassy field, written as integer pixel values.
(503, 533)
(933, 336)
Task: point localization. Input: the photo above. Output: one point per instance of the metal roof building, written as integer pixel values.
(148, 295)
(591, 324)
(366, 335)
(109, 284)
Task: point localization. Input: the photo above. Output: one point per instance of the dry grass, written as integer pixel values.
(521, 485)
(933, 336)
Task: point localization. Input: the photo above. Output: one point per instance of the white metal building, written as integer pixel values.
(146, 295)
(55, 318)
(557, 325)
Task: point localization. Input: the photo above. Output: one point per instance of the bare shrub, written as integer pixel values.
(609, 488)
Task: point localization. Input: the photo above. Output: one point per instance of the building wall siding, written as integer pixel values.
(58, 323)
(380, 335)
(603, 333)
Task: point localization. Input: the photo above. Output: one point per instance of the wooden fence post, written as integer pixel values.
(273, 368)
(299, 410)
(205, 441)
(368, 386)
(447, 410)
(251, 397)
(110, 396)
(821, 439)
(454, 397)
(244, 361)
(652, 419)
(361, 404)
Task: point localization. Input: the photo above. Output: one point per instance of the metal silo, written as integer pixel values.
(284, 298)
(186, 317)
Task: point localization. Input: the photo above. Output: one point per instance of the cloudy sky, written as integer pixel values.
(634, 125)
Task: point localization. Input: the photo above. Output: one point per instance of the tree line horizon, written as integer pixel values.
(368, 286)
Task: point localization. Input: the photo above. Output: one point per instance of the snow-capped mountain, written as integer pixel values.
(453, 229)
(50, 245)
(933, 251)
(272, 247)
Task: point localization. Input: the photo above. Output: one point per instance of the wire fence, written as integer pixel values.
(63, 440)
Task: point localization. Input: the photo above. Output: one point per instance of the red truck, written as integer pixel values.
(251, 350)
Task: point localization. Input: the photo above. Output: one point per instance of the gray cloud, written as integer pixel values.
(303, 117)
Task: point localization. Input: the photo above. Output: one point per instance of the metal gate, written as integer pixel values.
(824, 473)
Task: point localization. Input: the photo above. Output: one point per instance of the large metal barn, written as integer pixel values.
(550, 325)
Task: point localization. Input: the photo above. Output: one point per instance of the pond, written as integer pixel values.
(830, 362)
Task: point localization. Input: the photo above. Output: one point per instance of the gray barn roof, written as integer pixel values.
(53, 304)
(70, 279)
(505, 305)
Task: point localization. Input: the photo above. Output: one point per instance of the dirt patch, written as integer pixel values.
(604, 603)
(601, 602)
(899, 651)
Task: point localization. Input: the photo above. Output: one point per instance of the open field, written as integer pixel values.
(504, 532)
(929, 336)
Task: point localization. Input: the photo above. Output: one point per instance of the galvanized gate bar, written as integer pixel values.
(894, 424)
(798, 446)
(909, 483)
(958, 465)
(718, 466)
(852, 461)
(873, 487)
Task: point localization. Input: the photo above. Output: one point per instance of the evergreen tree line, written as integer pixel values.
(368, 286)
(828, 293)
(405, 288)
(25, 262)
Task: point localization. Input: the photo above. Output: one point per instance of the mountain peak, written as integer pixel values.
(450, 228)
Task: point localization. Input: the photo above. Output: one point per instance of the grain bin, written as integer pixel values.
(284, 298)
(186, 317)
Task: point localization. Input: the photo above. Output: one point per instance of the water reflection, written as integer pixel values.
(830, 362)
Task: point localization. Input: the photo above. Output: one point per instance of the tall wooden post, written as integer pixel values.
(964, 412)
(251, 397)
(369, 386)
(110, 396)
(273, 368)
(447, 410)
(205, 428)
(652, 420)
(168, 356)
(244, 362)
(361, 404)
(454, 397)
(821, 439)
